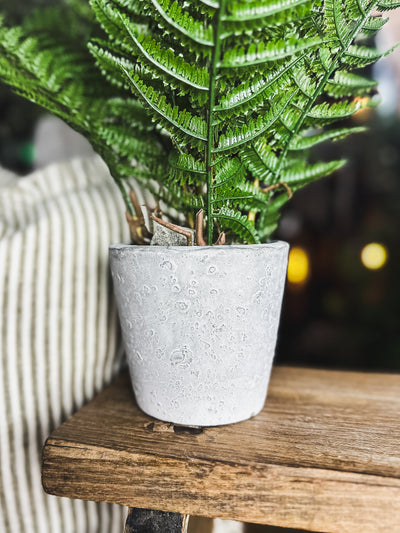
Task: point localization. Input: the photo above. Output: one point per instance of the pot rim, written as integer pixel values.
(277, 245)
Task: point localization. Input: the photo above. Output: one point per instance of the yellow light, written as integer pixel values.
(363, 112)
(374, 256)
(298, 266)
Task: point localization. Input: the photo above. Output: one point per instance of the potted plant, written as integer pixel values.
(214, 106)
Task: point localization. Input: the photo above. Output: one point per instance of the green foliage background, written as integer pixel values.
(238, 92)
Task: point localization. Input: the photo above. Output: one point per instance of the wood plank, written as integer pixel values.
(323, 455)
(201, 524)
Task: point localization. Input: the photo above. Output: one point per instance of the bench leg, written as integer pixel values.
(148, 521)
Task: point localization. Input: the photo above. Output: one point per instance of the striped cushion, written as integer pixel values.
(59, 340)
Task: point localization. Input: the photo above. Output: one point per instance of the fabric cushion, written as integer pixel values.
(59, 341)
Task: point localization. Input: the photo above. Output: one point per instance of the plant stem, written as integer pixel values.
(217, 23)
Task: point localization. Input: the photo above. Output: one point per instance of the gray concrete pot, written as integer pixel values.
(199, 325)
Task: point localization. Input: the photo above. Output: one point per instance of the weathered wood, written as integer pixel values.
(257, 528)
(150, 521)
(200, 524)
(323, 455)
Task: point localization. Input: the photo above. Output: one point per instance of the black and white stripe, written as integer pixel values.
(59, 339)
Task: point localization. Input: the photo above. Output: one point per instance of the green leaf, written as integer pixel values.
(304, 143)
(260, 53)
(259, 10)
(107, 61)
(336, 22)
(260, 160)
(186, 127)
(361, 56)
(387, 5)
(268, 220)
(228, 173)
(174, 18)
(178, 197)
(238, 223)
(373, 25)
(247, 133)
(110, 19)
(347, 84)
(187, 163)
(325, 113)
(255, 14)
(186, 169)
(244, 195)
(303, 175)
(164, 62)
(251, 93)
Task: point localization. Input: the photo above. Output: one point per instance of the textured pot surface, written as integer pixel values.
(200, 325)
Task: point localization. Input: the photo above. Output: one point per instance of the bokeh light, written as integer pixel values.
(374, 256)
(299, 266)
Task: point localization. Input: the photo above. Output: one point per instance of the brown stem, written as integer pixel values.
(221, 239)
(276, 186)
(139, 233)
(137, 225)
(175, 228)
(137, 207)
(199, 228)
(154, 210)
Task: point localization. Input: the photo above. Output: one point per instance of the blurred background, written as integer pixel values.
(341, 307)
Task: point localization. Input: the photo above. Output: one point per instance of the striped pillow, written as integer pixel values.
(59, 340)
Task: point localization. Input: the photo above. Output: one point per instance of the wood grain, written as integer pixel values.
(200, 524)
(323, 455)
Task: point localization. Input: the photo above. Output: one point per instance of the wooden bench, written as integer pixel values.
(324, 455)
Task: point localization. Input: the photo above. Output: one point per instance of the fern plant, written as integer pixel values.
(237, 91)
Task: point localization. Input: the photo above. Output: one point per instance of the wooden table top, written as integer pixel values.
(323, 455)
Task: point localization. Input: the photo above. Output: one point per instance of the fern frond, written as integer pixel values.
(187, 163)
(304, 174)
(127, 111)
(120, 139)
(347, 84)
(229, 173)
(110, 20)
(165, 63)
(268, 220)
(245, 195)
(250, 15)
(249, 132)
(387, 5)
(186, 169)
(234, 90)
(238, 223)
(187, 201)
(171, 17)
(187, 127)
(301, 143)
(373, 25)
(260, 160)
(251, 93)
(206, 7)
(325, 113)
(336, 23)
(107, 59)
(362, 56)
(258, 54)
